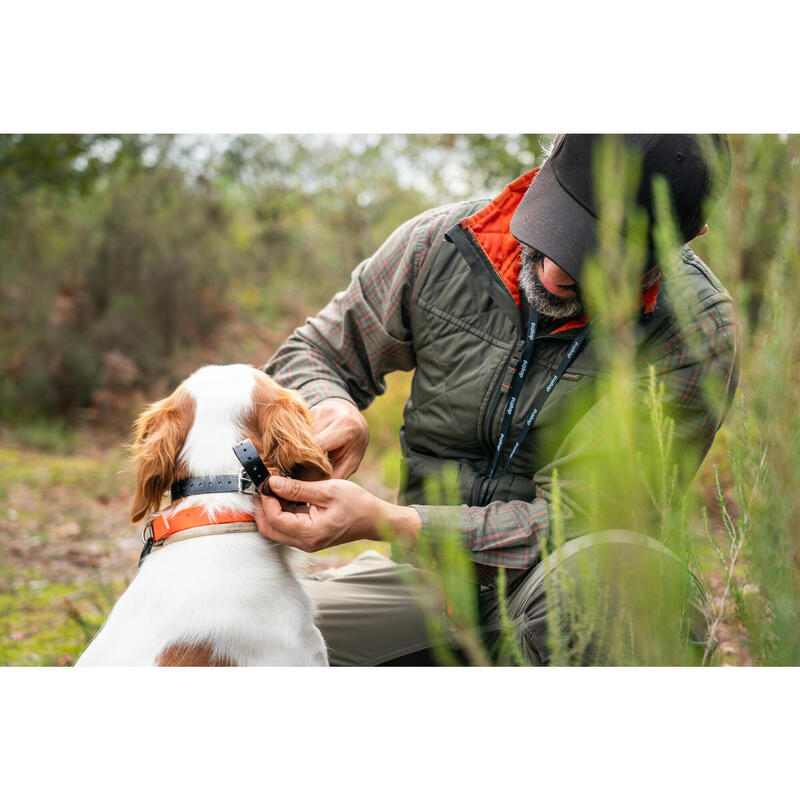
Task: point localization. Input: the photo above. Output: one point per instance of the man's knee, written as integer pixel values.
(615, 597)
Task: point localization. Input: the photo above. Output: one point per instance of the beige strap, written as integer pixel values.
(211, 530)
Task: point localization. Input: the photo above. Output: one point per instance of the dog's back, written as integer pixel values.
(212, 601)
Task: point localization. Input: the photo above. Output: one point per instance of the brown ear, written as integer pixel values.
(280, 427)
(161, 432)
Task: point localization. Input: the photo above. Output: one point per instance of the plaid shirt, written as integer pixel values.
(365, 333)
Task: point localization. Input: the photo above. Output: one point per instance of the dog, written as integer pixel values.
(217, 593)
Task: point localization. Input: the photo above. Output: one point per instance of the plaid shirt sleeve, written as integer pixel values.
(699, 369)
(364, 332)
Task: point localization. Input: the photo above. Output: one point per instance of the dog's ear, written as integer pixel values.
(282, 427)
(161, 432)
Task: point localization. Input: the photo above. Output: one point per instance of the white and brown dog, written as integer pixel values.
(228, 599)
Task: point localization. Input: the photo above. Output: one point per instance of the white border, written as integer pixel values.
(399, 732)
(238, 66)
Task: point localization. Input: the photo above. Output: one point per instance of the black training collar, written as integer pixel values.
(248, 481)
(206, 484)
(251, 462)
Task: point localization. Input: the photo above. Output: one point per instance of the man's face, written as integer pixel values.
(547, 287)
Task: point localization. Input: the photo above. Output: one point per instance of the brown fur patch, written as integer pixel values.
(192, 655)
(160, 433)
(279, 424)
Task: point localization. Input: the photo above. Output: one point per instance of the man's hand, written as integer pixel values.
(339, 511)
(342, 432)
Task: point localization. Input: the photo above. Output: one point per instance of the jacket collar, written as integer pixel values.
(489, 231)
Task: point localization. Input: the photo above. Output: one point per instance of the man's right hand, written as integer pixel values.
(342, 432)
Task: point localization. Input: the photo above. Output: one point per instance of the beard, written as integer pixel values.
(548, 304)
(542, 300)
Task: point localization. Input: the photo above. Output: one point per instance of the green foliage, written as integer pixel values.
(307, 210)
(755, 542)
(765, 453)
(619, 604)
(28, 163)
(489, 161)
(508, 632)
(449, 578)
(385, 416)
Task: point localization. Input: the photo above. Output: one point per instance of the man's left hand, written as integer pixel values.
(338, 511)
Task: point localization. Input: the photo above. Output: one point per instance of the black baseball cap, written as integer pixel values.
(558, 214)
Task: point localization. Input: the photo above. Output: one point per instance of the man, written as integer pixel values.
(484, 301)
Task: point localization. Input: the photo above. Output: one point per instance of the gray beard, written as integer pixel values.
(545, 302)
(541, 299)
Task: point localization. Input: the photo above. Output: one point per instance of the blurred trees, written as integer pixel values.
(126, 258)
(108, 266)
(121, 256)
(28, 163)
(747, 225)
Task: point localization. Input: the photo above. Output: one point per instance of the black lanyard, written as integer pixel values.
(516, 388)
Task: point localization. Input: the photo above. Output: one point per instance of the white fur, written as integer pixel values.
(233, 591)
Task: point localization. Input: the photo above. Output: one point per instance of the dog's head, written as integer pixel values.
(192, 432)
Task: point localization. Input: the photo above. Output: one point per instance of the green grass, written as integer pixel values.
(49, 624)
(50, 608)
(54, 436)
(95, 476)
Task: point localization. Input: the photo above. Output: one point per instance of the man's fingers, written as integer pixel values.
(279, 525)
(299, 491)
(267, 509)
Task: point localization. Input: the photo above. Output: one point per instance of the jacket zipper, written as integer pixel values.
(498, 393)
(494, 402)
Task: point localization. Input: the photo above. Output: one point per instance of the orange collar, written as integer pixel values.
(193, 517)
(490, 229)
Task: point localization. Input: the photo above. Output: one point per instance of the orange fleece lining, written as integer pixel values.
(490, 228)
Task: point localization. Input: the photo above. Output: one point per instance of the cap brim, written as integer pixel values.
(549, 220)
